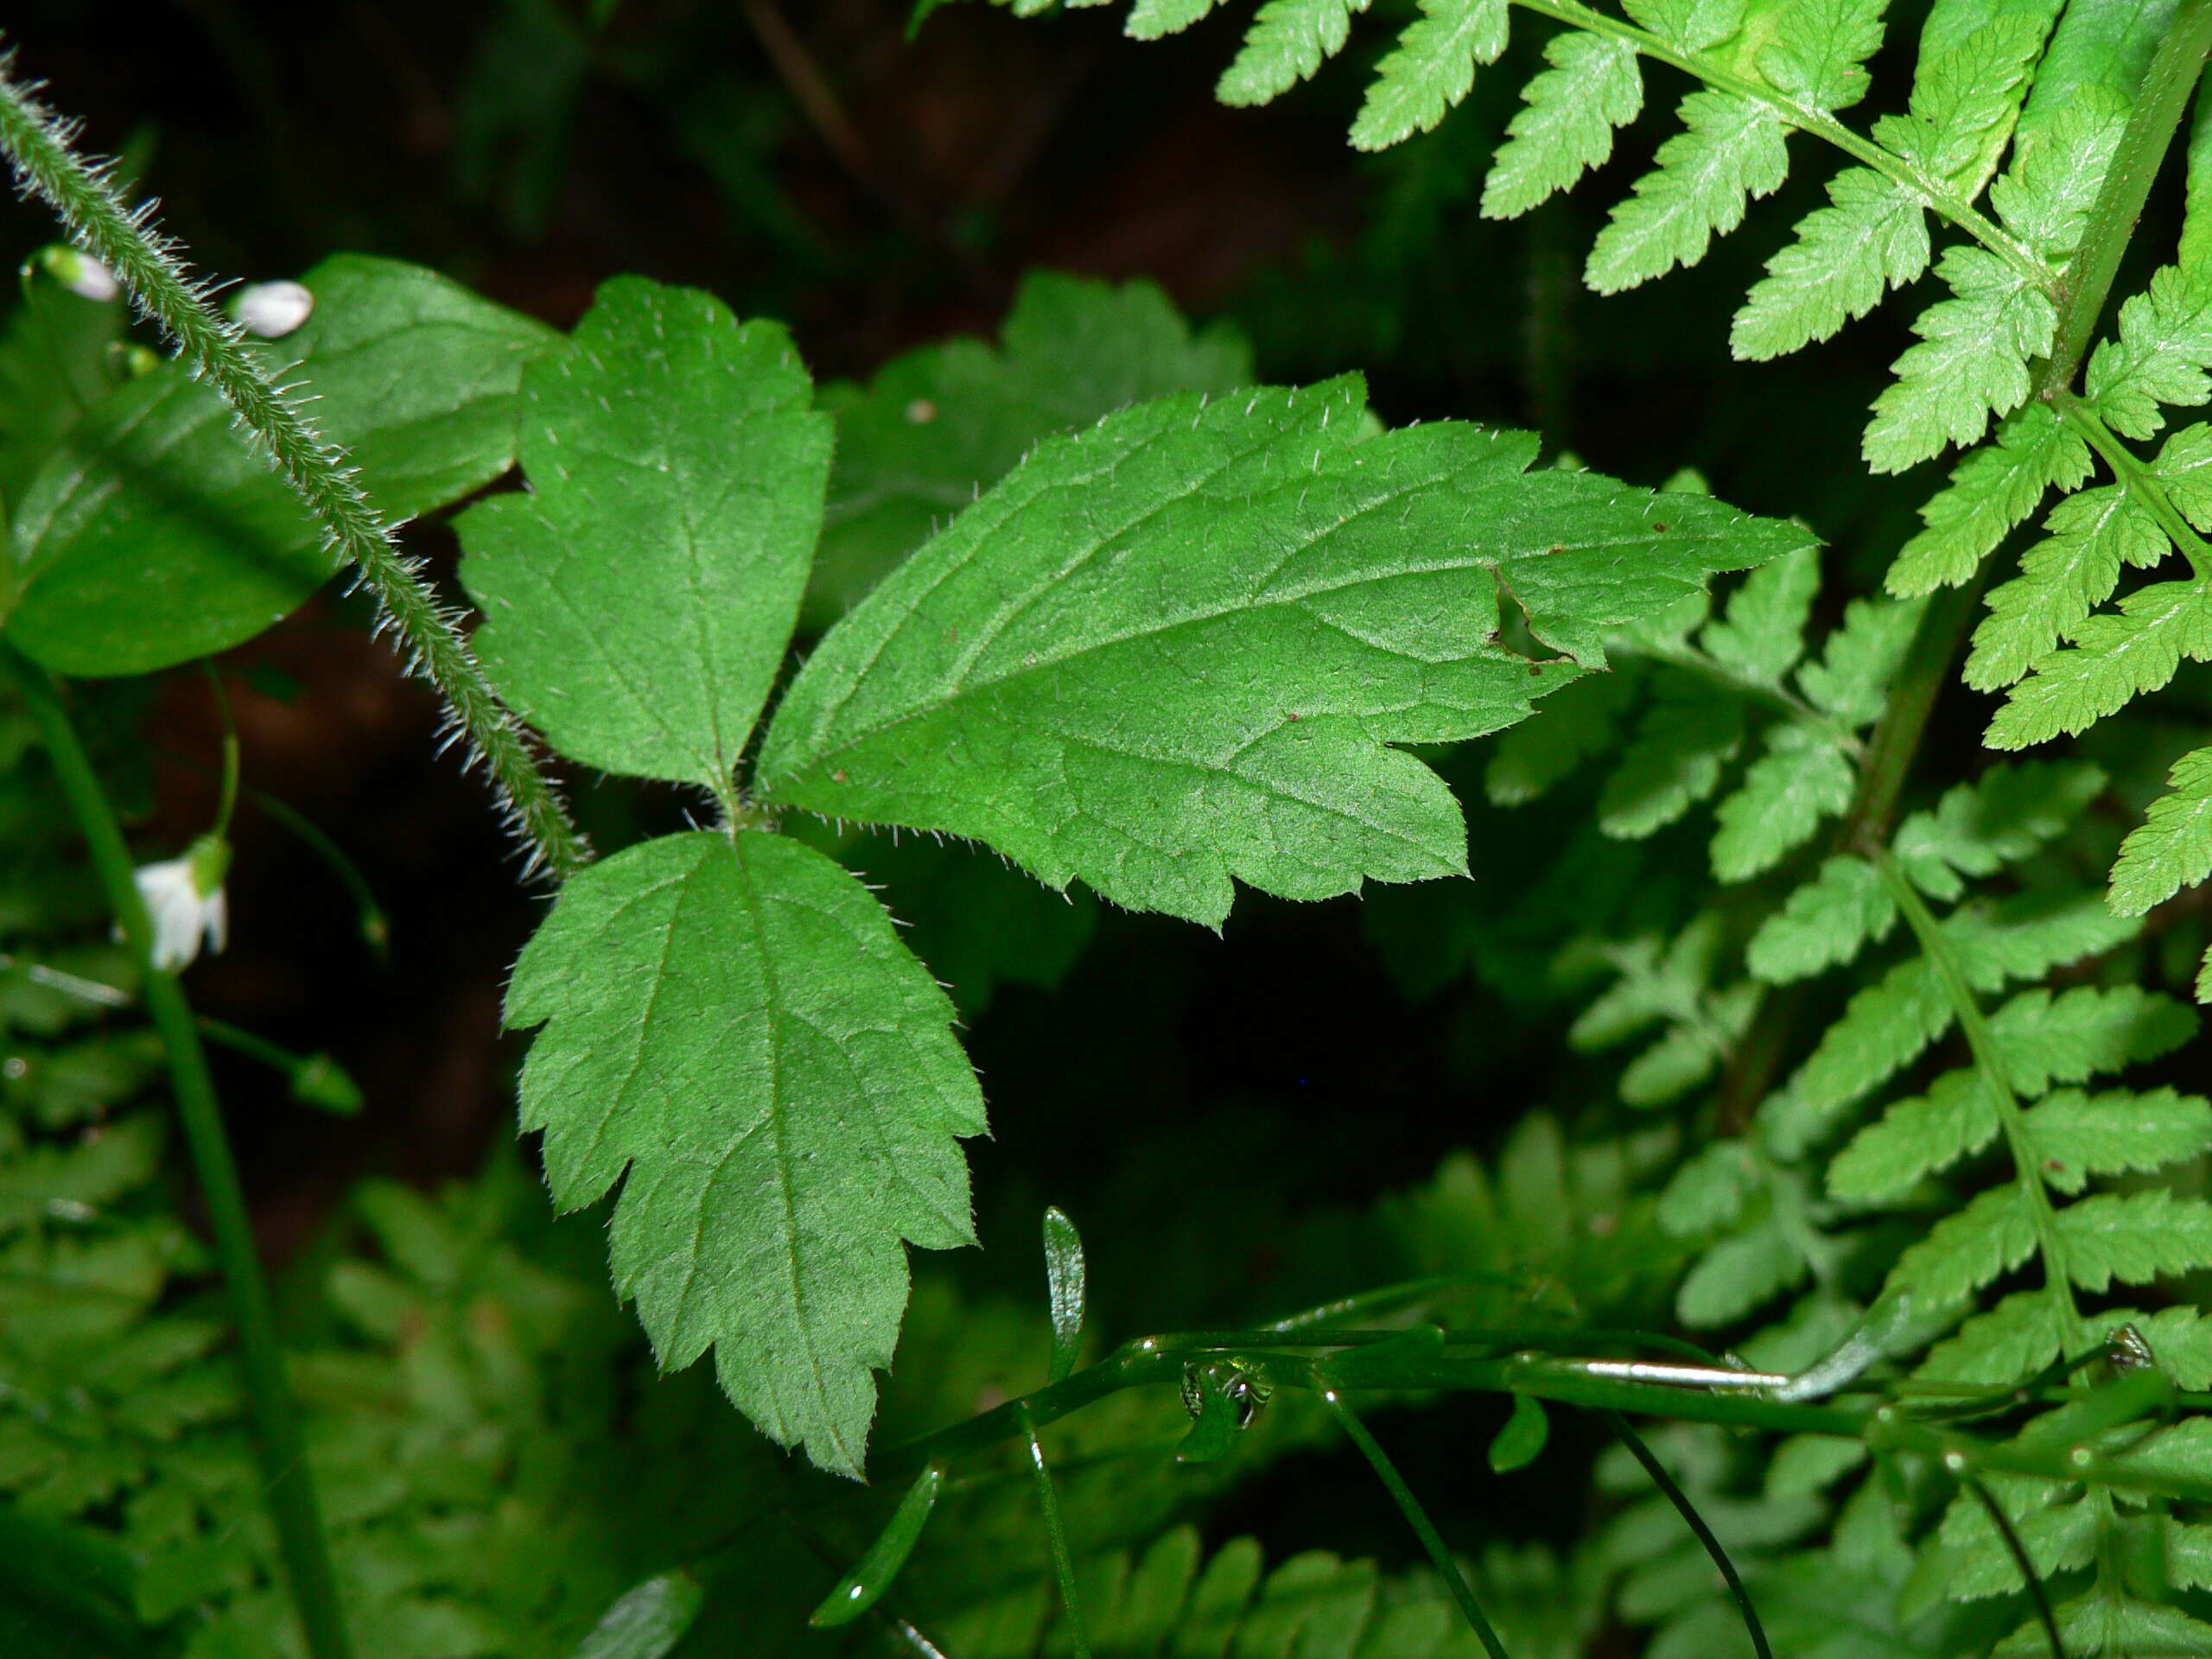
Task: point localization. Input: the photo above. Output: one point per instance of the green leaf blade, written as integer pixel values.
(1731, 149)
(639, 602)
(1430, 70)
(730, 1021)
(1565, 125)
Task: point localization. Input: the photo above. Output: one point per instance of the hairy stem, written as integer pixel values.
(2027, 1167)
(1931, 193)
(2173, 74)
(274, 1416)
(84, 197)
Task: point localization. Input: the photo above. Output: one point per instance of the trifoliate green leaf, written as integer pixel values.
(734, 1033)
(1681, 746)
(1173, 650)
(2063, 579)
(1852, 679)
(939, 425)
(1802, 779)
(1999, 818)
(1991, 490)
(1824, 924)
(2158, 356)
(1565, 124)
(639, 600)
(1872, 237)
(1287, 44)
(1731, 149)
(2117, 656)
(1430, 70)
(1761, 633)
(2172, 849)
(2078, 1135)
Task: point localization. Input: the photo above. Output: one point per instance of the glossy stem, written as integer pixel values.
(1055, 1536)
(2019, 1552)
(1665, 1482)
(269, 1405)
(227, 802)
(1417, 1518)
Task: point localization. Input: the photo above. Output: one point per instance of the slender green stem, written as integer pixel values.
(2141, 481)
(1056, 1537)
(2021, 1559)
(1417, 1518)
(2175, 69)
(269, 1396)
(2027, 1167)
(228, 800)
(85, 198)
(1665, 1482)
(1931, 193)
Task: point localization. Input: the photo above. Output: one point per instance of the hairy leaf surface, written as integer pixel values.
(733, 1033)
(638, 600)
(1175, 648)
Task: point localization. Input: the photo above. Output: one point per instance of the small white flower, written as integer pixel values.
(79, 273)
(184, 898)
(272, 309)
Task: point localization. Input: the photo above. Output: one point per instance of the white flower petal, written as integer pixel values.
(272, 309)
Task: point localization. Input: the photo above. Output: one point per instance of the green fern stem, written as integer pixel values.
(2142, 483)
(39, 147)
(2027, 1167)
(1820, 124)
(2174, 73)
(1056, 1538)
(278, 1441)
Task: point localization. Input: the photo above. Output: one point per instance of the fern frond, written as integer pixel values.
(1999, 818)
(2172, 849)
(1818, 50)
(1963, 1252)
(1564, 126)
(2116, 1133)
(1288, 42)
(1761, 632)
(2135, 1237)
(2116, 657)
(1974, 69)
(1686, 736)
(1851, 680)
(1916, 1138)
(1430, 70)
(1731, 149)
(1153, 20)
(1824, 924)
(1801, 779)
(2062, 580)
(1991, 490)
(2158, 356)
(1872, 237)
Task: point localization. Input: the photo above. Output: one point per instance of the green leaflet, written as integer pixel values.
(2116, 1133)
(1817, 47)
(639, 600)
(2117, 656)
(1288, 41)
(1172, 649)
(1566, 124)
(1731, 149)
(2172, 849)
(1991, 490)
(1972, 360)
(154, 534)
(939, 424)
(1430, 70)
(1150, 20)
(1974, 69)
(1801, 779)
(1999, 818)
(1872, 237)
(1761, 633)
(733, 1031)
(1685, 741)
(2158, 356)
(2063, 578)
(1852, 679)
(1824, 924)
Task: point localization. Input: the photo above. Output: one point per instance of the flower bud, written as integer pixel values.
(79, 273)
(184, 899)
(272, 309)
